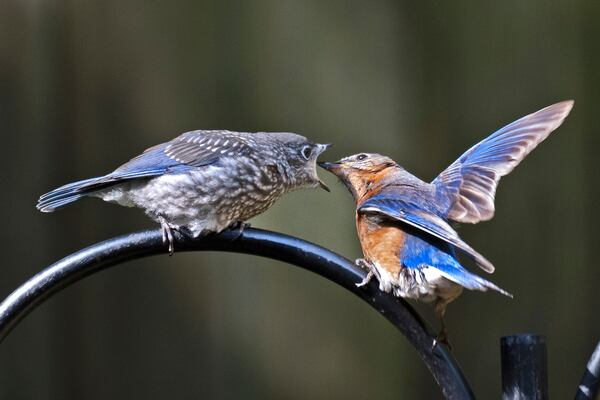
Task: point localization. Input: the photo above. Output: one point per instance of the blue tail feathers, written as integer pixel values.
(417, 253)
(71, 192)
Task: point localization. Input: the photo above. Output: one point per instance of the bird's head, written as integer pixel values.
(301, 159)
(359, 172)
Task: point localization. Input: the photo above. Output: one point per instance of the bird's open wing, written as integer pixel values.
(426, 222)
(469, 184)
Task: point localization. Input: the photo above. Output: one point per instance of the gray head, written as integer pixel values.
(298, 157)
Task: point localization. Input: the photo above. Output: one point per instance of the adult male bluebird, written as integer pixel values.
(403, 222)
(203, 181)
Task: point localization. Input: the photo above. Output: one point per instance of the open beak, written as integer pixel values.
(321, 149)
(323, 186)
(332, 167)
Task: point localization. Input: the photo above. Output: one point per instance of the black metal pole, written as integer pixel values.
(524, 367)
(285, 248)
(590, 382)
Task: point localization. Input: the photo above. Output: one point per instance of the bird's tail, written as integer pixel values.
(490, 285)
(71, 192)
(447, 265)
(455, 272)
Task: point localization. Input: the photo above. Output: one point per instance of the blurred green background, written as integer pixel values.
(85, 85)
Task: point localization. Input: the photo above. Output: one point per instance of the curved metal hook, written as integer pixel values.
(277, 246)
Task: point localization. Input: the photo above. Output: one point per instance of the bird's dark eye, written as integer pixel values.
(306, 152)
(361, 157)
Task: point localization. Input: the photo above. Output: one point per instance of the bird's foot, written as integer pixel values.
(238, 229)
(363, 264)
(366, 279)
(366, 265)
(442, 338)
(167, 235)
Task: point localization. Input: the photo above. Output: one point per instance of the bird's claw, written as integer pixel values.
(167, 235)
(366, 265)
(238, 229)
(363, 264)
(366, 280)
(442, 338)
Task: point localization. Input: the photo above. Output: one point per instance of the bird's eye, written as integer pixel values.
(306, 152)
(361, 157)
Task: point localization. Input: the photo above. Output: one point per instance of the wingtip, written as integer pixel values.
(559, 112)
(564, 106)
(567, 104)
(484, 263)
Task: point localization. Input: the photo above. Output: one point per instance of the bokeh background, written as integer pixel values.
(85, 85)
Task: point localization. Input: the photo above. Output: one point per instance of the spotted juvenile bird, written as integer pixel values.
(403, 223)
(203, 181)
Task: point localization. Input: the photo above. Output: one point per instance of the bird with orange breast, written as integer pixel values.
(403, 223)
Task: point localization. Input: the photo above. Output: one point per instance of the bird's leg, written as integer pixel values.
(167, 234)
(238, 228)
(364, 264)
(440, 309)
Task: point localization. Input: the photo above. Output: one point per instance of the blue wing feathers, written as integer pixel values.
(427, 222)
(401, 210)
(187, 151)
(469, 199)
(152, 160)
(435, 248)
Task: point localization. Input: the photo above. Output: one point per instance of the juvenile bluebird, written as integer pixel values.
(203, 181)
(403, 223)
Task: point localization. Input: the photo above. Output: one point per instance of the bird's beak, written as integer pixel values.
(323, 186)
(334, 168)
(329, 166)
(321, 149)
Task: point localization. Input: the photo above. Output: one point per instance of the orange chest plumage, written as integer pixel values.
(381, 242)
